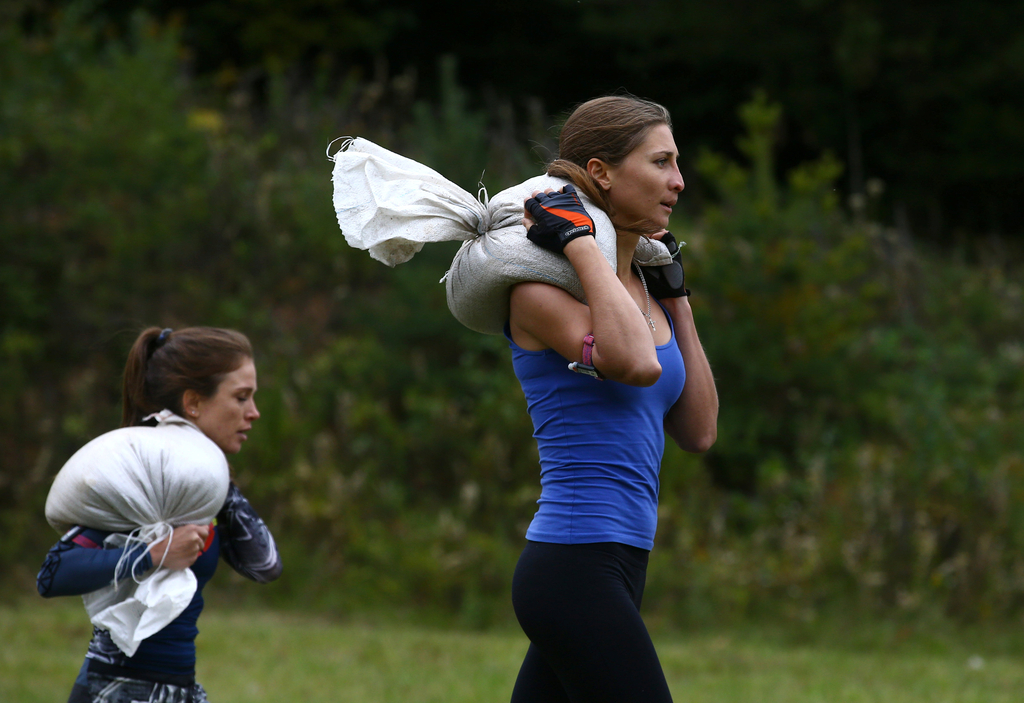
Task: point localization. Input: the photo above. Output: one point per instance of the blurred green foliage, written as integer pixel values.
(868, 457)
(871, 397)
(924, 97)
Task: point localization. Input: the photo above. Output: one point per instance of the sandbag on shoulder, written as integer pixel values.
(482, 274)
(143, 481)
(392, 206)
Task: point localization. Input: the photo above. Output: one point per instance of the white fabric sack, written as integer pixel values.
(392, 206)
(132, 611)
(143, 481)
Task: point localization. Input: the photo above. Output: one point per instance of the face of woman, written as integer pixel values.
(646, 185)
(227, 416)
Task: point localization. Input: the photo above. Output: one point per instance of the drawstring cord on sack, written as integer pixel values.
(344, 146)
(143, 535)
(481, 193)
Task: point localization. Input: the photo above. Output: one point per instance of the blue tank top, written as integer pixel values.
(600, 445)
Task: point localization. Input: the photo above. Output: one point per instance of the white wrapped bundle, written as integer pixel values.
(143, 481)
(392, 206)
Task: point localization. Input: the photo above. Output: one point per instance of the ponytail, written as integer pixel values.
(133, 387)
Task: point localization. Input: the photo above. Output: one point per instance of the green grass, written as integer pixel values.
(260, 655)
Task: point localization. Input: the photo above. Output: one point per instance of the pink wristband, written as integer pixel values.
(588, 349)
(587, 366)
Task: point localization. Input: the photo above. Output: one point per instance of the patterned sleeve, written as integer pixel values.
(79, 564)
(246, 542)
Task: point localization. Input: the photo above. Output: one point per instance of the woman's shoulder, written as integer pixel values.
(540, 314)
(543, 300)
(528, 291)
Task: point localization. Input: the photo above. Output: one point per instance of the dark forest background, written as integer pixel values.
(854, 236)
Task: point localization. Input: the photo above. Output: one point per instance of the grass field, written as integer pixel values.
(268, 656)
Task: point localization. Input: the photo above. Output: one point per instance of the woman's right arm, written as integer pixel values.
(78, 563)
(544, 316)
(71, 569)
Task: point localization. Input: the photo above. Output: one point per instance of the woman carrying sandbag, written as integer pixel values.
(149, 509)
(641, 373)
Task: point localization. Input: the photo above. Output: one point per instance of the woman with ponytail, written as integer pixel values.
(640, 373)
(187, 401)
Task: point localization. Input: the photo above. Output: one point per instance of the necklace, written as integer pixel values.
(646, 295)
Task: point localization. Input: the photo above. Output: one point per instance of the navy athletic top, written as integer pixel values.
(600, 445)
(79, 564)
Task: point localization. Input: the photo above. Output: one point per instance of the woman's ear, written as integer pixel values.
(600, 172)
(190, 403)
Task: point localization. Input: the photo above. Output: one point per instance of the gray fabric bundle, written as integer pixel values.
(392, 206)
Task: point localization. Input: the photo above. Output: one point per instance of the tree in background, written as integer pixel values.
(921, 100)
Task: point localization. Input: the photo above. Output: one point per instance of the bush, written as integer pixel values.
(869, 393)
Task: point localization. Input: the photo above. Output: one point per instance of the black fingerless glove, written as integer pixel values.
(667, 281)
(560, 218)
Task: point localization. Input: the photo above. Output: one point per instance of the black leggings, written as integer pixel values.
(580, 606)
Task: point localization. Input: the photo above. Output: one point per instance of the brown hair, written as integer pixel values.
(163, 364)
(609, 129)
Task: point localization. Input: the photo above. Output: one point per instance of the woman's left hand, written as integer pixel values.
(668, 280)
